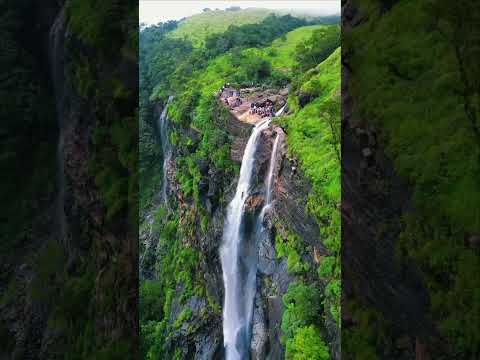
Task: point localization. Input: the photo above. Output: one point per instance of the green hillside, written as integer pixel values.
(283, 50)
(314, 137)
(198, 27)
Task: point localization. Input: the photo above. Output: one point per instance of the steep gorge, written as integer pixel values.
(258, 207)
(271, 199)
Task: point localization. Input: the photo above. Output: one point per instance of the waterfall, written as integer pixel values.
(280, 112)
(57, 62)
(238, 259)
(166, 147)
(271, 168)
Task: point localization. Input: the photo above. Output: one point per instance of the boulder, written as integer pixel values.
(284, 92)
(254, 203)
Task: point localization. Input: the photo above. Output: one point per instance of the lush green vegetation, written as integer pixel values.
(114, 160)
(197, 28)
(273, 52)
(420, 88)
(313, 130)
(255, 35)
(158, 58)
(113, 165)
(284, 51)
(307, 345)
(170, 66)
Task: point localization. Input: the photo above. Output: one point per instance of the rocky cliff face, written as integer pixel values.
(24, 317)
(200, 335)
(90, 230)
(83, 262)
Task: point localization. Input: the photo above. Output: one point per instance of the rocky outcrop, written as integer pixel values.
(237, 149)
(197, 336)
(238, 128)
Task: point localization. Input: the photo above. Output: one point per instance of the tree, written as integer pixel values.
(258, 68)
(303, 307)
(307, 345)
(321, 44)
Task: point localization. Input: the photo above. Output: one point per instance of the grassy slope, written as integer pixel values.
(221, 68)
(281, 52)
(309, 132)
(314, 137)
(198, 27)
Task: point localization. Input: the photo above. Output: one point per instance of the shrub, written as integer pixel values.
(307, 345)
(303, 307)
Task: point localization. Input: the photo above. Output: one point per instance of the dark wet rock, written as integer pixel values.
(203, 185)
(267, 258)
(237, 149)
(198, 337)
(304, 99)
(238, 128)
(275, 313)
(203, 166)
(291, 193)
(258, 346)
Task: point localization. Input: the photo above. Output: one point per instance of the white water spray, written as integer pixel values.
(57, 62)
(238, 259)
(280, 112)
(271, 168)
(166, 148)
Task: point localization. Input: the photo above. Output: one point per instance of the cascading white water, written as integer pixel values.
(57, 59)
(280, 112)
(166, 148)
(271, 168)
(238, 260)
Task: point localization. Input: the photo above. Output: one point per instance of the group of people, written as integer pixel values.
(263, 109)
